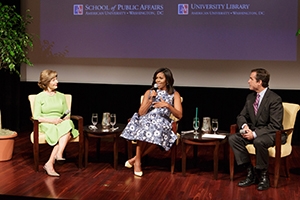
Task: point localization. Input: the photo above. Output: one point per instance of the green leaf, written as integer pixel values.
(11, 66)
(14, 40)
(298, 32)
(12, 53)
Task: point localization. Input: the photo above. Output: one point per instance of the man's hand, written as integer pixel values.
(248, 134)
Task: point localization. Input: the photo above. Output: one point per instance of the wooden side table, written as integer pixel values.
(102, 133)
(190, 139)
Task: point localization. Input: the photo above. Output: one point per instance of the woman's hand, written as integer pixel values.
(176, 110)
(50, 121)
(57, 121)
(160, 104)
(147, 101)
(152, 94)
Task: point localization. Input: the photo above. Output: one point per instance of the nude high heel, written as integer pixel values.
(50, 173)
(138, 173)
(127, 164)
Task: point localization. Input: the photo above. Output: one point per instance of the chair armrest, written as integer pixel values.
(233, 129)
(35, 130)
(76, 117)
(172, 117)
(278, 140)
(79, 119)
(280, 132)
(174, 127)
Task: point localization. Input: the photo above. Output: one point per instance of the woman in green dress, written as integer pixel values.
(49, 107)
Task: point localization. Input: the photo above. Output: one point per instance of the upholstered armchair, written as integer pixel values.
(279, 151)
(37, 137)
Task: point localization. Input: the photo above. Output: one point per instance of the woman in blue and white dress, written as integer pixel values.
(151, 125)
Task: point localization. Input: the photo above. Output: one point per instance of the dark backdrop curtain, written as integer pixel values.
(10, 100)
(10, 90)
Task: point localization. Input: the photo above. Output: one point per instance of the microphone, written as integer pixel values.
(65, 114)
(155, 87)
(242, 131)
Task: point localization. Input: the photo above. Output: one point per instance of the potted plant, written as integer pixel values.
(14, 40)
(7, 141)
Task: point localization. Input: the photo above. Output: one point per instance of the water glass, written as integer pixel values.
(94, 119)
(196, 124)
(113, 120)
(215, 125)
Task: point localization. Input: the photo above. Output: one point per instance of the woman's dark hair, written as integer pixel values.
(169, 79)
(262, 75)
(45, 77)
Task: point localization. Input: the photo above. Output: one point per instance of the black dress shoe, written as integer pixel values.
(264, 181)
(246, 182)
(250, 179)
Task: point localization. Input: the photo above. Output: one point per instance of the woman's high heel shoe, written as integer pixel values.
(127, 164)
(51, 173)
(138, 173)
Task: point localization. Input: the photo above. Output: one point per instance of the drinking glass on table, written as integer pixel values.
(113, 120)
(95, 120)
(215, 125)
(196, 126)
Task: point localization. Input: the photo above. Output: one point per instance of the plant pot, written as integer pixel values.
(7, 142)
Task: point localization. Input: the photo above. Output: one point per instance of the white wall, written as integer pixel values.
(194, 73)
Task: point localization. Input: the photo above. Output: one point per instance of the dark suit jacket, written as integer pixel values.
(269, 115)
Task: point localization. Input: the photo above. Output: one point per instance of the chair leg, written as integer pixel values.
(36, 156)
(286, 166)
(183, 157)
(129, 149)
(173, 158)
(276, 171)
(231, 164)
(216, 161)
(86, 151)
(81, 153)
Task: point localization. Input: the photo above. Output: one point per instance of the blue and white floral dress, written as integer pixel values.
(155, 126)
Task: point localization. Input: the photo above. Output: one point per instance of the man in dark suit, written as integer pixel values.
(259, 120)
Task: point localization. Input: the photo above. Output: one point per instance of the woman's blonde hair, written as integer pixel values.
(45, 77)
